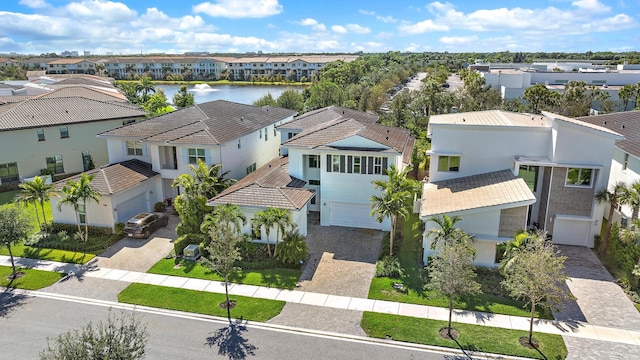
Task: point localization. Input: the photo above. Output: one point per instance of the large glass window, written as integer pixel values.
(579, 177)
(82, 214)
(134, 148)
(377, 165)
(54, 163)
(530, 175)
(449, 163)
(9, 173)
(314, 161)
(251, 168)
(335, 163)
(195, 154)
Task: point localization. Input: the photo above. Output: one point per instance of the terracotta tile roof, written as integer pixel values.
(114, 178)
(269, 186)
(214, 122)
(39, 112)
(625, 123)
(474, 192)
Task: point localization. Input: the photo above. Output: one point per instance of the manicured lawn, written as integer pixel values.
(382, 288)
(472, 337)
(32, 280)
(47, 254)
(7, 196)
(277, 278)
(199, 302)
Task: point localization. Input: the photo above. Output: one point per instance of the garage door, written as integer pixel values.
(571, 232)
(131, 207)
(352, 215)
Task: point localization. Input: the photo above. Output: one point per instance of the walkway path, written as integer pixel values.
(570, 329)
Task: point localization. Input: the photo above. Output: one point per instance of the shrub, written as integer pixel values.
(119, 229)
(73, 228)
(158, 207)
(293, 249)
(389, 266)
(186, 240)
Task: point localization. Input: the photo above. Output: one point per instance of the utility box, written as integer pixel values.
(191, 252)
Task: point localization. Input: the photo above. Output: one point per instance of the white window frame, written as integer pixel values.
(134, 147)
(571, 184)
(449, 168)
(335, 163)
(356, 168)
(193, 158)
(377, 165)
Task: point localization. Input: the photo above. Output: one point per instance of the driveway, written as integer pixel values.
(341, 262)
(599, 301)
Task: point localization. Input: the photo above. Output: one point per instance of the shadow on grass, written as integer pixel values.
(188, 266)
(230, 341)
(9, 300)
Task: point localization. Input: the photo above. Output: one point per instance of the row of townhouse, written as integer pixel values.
(204, 68)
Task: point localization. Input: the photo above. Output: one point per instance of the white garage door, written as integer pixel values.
(131, 207)
(571, 232)
(352, 215)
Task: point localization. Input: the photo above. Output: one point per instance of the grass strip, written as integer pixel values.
(31, 280)
(474, 338)
(276, 278)
(199, 302)
(48, 254)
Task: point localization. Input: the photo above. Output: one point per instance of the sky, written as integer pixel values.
(303, 26)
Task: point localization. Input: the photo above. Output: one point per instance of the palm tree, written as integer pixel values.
(209, 179)
(613, 197)
(394, 200)
(37, 191)
(144, 87)
(260, 219)
(631, 197)
(228, 215)
(269, 218)
(447, 226)
(78, 193)
(513, 247)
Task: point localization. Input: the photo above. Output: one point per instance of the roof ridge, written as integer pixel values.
(106, 179)
(286, 195)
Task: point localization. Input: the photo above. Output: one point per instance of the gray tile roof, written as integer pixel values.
(211, 123)
(321, 130)
(625, 123)
(89, 92)
(114, 178)
(474, 192)
(269, 186)
(52, 111)
(321, 116)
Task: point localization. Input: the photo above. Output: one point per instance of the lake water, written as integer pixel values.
(244, 94)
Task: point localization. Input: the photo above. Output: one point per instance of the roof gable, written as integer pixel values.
(114, 178)
(357, 141)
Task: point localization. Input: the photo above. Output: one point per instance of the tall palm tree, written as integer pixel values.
(282, 221)
(78, 193)
(260, 219)
(227, 215)
(37, 191)
(446, 228)
(70, 198)
(209, 179)
(144, 87)
(631, 197)
(394, 199)
(613, 196)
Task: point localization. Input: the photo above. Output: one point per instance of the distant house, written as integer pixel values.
(240, 137)
(269, 186)
(502, 172)
(338, 152)
(625, 164)
(126, 188)
(57, 130)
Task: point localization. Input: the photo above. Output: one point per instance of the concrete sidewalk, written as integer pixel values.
(576, 329)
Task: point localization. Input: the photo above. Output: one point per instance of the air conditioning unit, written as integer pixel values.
(191, 252)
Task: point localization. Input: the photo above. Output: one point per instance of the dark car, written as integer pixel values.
(143, 224)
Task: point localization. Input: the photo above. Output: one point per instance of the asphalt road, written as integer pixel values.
(26, 322)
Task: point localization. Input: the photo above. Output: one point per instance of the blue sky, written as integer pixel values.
(171, 26)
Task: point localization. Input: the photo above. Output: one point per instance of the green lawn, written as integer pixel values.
(7, 196)
(637, 306)
(47, 254)
(472, 337)
(200, 302)
(382, 288)
(277, 278)
(32, 280)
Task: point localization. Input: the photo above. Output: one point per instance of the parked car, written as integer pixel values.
(143, 224)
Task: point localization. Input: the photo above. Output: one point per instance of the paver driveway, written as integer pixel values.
(341, 262)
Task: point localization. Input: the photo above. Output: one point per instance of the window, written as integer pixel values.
(377, 165)
(41, 135)
(265, 134)
(87, 161)
(134, 148)
(54, 163)
(82, 214)
(260, 133)
(9, 173)
(625, 163)
(239, 144)
(356, 165)
(314, 161)
(251, 168)
(530, 175)
(193, 155)
(335, 163)
(579, 177)
(64, 132)
(449, 163)
(313, 200)
(624, 222)
(274, 131)
(290, 135)
(314, 182)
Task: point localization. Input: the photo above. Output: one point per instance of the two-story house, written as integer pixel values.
(240, 137)
(502, 172)
(338, 152)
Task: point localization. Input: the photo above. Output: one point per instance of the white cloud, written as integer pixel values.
(591, 5)
(339, 29)
(422, 27)
(358, 29)
(458, 40)
(235, 9)
(384, 19)
(315, 25)
(34, 4)
(99, 9)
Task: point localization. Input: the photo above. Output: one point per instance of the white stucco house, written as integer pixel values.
(269, 186)
(240, 137)
(338, 152)
(126, 188)
(501, 172)
(625, 164)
